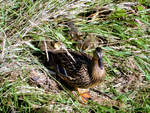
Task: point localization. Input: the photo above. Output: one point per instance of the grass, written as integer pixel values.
(124, 34)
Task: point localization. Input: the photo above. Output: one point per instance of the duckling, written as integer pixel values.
(80, 71)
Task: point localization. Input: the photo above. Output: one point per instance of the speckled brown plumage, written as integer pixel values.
(80, 70)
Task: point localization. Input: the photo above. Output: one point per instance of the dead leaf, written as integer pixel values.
(42, 80)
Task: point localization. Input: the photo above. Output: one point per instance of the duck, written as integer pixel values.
(78, 69)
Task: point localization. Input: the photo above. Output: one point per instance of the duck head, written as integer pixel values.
(97, 56)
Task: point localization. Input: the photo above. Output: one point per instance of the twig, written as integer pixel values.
(46, 50)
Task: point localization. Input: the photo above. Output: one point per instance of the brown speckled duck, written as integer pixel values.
(79, 70)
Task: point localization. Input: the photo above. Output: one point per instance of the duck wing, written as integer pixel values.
(75, 69)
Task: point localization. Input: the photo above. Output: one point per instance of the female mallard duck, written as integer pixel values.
(79, 70)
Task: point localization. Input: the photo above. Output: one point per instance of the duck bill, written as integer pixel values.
(100, 62)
